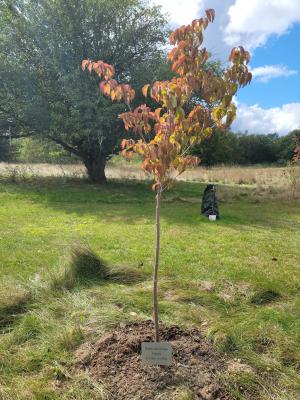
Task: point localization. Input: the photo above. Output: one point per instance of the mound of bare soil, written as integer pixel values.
(116, 361)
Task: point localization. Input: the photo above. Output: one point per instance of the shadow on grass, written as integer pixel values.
(13, 309)
(264, 297)
(84, 268)
(132, 202)
(117, 274)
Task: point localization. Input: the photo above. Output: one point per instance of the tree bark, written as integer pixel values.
(96, 168)
(155, 275)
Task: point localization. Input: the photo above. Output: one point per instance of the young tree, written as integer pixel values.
(165, 135)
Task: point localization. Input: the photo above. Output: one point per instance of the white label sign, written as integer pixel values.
(156, 353)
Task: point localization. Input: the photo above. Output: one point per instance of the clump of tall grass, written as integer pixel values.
(84, 263)
(84, 266)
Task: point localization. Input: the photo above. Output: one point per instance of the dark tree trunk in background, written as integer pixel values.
(95, 166)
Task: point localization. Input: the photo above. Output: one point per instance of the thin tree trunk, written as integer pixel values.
(155, 275)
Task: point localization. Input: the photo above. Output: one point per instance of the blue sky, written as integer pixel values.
(283, 51)
(270, 30)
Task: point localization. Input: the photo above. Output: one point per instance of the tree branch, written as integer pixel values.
(15, 136)
(50, 137)
(65, 146)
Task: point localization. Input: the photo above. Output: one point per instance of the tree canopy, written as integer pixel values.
(43, 90)
(226, 147)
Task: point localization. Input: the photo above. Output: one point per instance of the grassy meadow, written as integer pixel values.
(237, 279)
(117, 168)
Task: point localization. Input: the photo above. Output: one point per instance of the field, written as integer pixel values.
(276, 177)
(236, 279)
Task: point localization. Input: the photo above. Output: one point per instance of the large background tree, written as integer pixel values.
(42, 87)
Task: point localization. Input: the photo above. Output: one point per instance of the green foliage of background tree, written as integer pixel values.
(287, 145)
(5, 153)
(8, 149)
(220, 148)
(256, 149)
(35, 149)
(42, 87)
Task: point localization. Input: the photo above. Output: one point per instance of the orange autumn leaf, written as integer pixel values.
(145, 90)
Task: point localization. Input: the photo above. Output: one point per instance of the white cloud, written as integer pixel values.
(181, 12)
(214, 34)
(267, 72)
(253, 22)
(256, 119)
(238, 22)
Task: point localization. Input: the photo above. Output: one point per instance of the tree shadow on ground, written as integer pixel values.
(15, 307)
(132, 202)
(11, 312)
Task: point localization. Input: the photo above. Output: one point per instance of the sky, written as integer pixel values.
(270, 30)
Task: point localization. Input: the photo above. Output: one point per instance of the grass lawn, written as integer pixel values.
(237, 279)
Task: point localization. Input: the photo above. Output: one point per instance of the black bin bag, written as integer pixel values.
(209, 202)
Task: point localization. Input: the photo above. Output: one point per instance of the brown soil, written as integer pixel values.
(115, 360)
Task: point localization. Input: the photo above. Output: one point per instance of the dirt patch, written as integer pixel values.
(115, 361)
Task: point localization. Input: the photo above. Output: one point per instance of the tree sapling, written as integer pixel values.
(165, 135)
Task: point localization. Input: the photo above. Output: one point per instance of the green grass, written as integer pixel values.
(237, 279)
